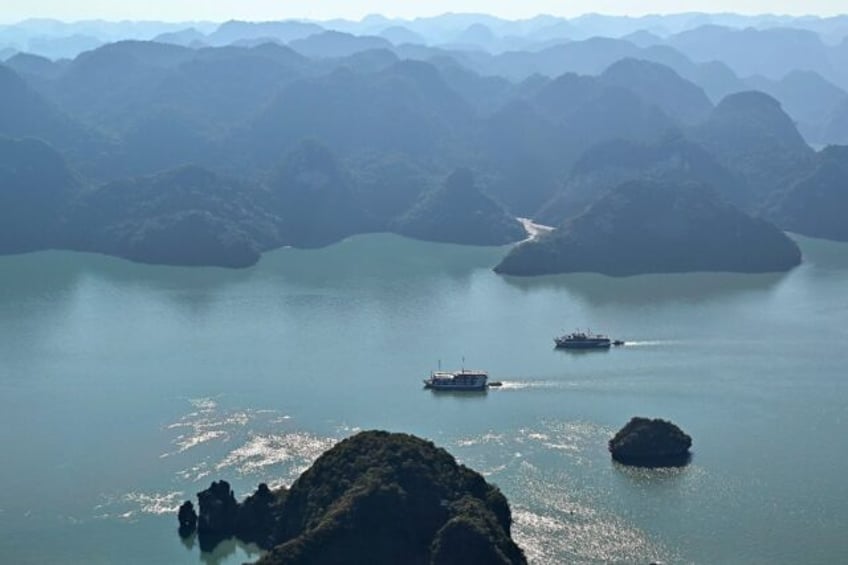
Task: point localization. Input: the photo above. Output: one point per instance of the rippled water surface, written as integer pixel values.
(125, 389)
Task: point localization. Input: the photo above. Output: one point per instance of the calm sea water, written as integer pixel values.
(125, 389)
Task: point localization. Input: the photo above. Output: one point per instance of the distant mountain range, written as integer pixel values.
(214, 143)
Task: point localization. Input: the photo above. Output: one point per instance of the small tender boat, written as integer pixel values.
(464, 380)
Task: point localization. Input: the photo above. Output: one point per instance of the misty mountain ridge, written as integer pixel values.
(306, 135)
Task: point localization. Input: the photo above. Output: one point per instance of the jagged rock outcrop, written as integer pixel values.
(218, 514)
(378, 498)
(651, 443)
(656, 227)
(258, 516)
(187, 518)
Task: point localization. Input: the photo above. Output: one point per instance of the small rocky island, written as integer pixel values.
(651, 443)
(376, 497)
(653, 226)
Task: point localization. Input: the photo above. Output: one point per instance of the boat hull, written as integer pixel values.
(455, 388)
(583, 345)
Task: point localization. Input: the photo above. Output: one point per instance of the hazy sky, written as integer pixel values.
(219, 10)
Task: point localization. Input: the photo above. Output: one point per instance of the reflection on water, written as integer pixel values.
(252, 443)
(586, 351)
(458, 396)
(226, 550)
(656, 479)
(383, 265)
(377, 257)
(553, 520)
(644, 289)
(128, 388)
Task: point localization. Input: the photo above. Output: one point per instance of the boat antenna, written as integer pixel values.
(440, 364)
(463, 363)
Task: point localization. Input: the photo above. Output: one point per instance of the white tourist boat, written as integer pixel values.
(462, 380)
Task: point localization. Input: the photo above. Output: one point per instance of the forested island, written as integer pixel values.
(211, 149)
(656, 227)
(394, 498)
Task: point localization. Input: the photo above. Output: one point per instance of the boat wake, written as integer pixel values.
(525, 384)
(650, 343)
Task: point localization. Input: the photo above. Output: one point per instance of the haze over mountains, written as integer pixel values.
(208, 144)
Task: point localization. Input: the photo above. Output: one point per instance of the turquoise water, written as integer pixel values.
(125, 389)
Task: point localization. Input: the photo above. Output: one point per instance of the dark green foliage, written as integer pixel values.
(467, 537)
(530, 145)
(376, 498)
(108, 86)
(607, 165)
(159, 141)
(592, 111)
(120, 85)
(406, 108)
(257, 518)
(392, 498)
(527, 153)
(816, 205)
(808, 98)
(660, 85)
(313, 197)
(24, 113)
(388, 184)
(751, 135)
(398, 125)
(36, 186)
(650, 443)
(187, 216)
(458, 212)
(656, 227)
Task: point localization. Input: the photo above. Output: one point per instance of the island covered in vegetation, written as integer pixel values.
(656, 227)
(644, 442)
(376, 497)
(211, 154)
